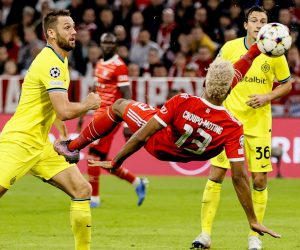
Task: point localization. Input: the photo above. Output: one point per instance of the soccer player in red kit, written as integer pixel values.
(112, 83)
(186, 128)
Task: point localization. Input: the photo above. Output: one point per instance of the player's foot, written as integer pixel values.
(202, 241)
(95, 201)
(254, 243)
(141, 190)
(61, 147)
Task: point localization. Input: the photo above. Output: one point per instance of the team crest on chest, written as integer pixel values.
(54, 72)
(265, 67)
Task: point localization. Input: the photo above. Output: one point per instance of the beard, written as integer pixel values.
(63, 43)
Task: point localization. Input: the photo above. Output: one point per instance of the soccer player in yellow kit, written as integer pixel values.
(250, 103)
(24, 143)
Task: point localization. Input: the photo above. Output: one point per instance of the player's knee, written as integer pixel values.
(119, 106)
(83, 190)
(259, 182)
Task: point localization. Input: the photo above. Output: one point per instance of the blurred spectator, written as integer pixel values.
(3, 58)
(137, 24)
(152, 17)
(139, 52)
(292, 104)
(28, 19)
(272, 9)
(106, 23)
(29, 50)
(224, 24)
(166, 29)
(142, 4)
(41, 4)
(10, 68)
(88, 22)
(11, 41)
(178, 68)
(133, 70)
(80, 53)
(198, 38)
(153, 59)
(94, 53)
(191, 70)
(121, 35)
(200, 20)
(184, 15)
(214, 10)
(123, 52)
(76, 8)
(10, 12)
(237, 18)
(293, 58)
(159, 70)
(42, 7)
(230, 34)
(124, 13)
(203, 58)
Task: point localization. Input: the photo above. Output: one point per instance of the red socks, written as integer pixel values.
(94, 176)
(123, 173)
(244, 63)
(100, 126)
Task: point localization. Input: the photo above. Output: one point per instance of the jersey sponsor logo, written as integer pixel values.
(265, 67)
(56, 83)
(54, 72)
(256, 79)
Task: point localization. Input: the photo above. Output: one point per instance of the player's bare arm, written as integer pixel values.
(257, 101)
(242, 188)
(126, 92)
(137, 140)
(66, 110)
(62, 129)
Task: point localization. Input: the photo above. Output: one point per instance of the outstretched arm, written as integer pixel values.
(136, 141)
(242, 66)
(242, 188)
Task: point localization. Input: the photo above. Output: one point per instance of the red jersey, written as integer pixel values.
(111, 75)
(195, 130)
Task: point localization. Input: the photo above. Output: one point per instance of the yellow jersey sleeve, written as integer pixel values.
(258, 80)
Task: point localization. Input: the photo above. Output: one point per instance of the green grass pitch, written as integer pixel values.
(35, 216)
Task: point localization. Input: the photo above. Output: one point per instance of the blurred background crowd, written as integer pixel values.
(156, 38)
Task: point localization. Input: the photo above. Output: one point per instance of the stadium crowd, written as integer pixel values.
(156, 38)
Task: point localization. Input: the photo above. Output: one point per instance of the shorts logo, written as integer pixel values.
(220, 158)
(54, 72)
(265, 67)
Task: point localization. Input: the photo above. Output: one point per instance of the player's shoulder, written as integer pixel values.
(48, 57)
(234, 43)
(117, 60)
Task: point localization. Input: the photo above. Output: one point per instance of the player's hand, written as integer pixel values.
(257, 101)
(261, 230)
(103, 164)
(93, 101)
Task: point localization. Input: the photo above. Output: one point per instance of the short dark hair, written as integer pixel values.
(50, 19)
(256, 9)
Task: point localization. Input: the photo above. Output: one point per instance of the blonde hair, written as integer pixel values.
(218, 79)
